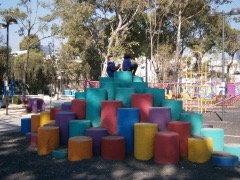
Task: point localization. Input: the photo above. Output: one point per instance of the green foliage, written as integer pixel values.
(32, 41)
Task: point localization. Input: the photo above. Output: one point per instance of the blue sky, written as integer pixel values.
(14, 38)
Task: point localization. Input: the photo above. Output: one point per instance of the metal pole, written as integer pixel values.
(7, 90)
(223, 66)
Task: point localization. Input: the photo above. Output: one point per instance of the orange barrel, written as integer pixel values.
(79, 107)
(143, 102)
(53, 112)
(113, 147)
(109, 115)
(144, 140)
(79, 147)
(184, 131)
(44, 118)
(200, 149)
(166, 147)
(48, 139)
(35, 122)
(34, 139)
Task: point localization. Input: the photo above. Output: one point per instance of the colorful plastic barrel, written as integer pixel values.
(196, 120)
(109, 115)
(217, 134)
(123, 76)
(144, 140)
(161, 116)
(207, 126)
(79, 148)
(223, 159)
(113, 147)
(96, 134)
(35, 122)
(60, 153)
(184, 131)
(62, 121)
(94, 97)
(166, 148)
(80, 95)
(176, 108)
(126, 118)
(140, 87)
(143, 102)
(48, 139)
(79, 107)
(137, 79)
(124, 95)
(44, 118)
(200, 149)
(66, 106)
(25, 125)
(78, 127)
(158, 96)
(34, 139)
(110, 88)
(105, 79)
(233, 148)
(53, 112)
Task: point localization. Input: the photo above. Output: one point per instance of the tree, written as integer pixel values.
(35, 42)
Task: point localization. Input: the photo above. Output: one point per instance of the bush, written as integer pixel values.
(17, 100)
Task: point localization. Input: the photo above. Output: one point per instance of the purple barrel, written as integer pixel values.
(207, 126)
(66, 107)
(62, 121)
(161, 116)
(96, 134)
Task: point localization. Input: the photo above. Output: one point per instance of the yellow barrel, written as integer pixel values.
(200, 149)
(79, 148)
(48, 139)
(144, 140)
(44, 118)
(35, 122)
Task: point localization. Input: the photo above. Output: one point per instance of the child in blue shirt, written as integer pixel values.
(128, 65)
(111, 67)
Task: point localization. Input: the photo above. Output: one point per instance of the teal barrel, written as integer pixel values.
(158, 96)
(123, 76)
(94, 97)
(196, 120)
(124, 95)
(140, 87)
(80, 95)
(137, 79)
(233, 148)
(176, 108)
(105, 79)
(110, 88)
(217, 134)
(78, 127)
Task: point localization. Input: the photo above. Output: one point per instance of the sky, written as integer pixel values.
(15, 39)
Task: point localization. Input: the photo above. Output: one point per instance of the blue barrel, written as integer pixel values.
(73, 92)
(125, 95)
(176, 108)
(78, 127)
(67, 92)
(123, 76)
(158, 96)
(80, 95)
(94, 98)
(126, 118)
(110, 88)
(196, 120)
(25, 125)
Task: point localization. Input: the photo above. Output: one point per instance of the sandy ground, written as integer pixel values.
(19, 160)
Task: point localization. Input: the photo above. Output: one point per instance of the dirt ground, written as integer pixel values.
(19, 160)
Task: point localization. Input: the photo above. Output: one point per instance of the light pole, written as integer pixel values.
(2, 26)
(234, 11)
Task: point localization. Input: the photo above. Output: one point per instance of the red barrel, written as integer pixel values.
(53, 112)
(34, 139)
(113, 148)
(184, 131)
(109, 115)
(143, 102)
(79, 107)
(166, 147)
